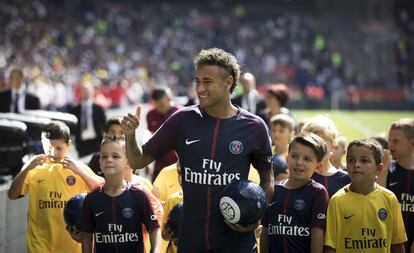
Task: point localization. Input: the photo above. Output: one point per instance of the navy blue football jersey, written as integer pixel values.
(401, 182)
(212, 153)
(333, 183)
(116, 222)
(291, 214)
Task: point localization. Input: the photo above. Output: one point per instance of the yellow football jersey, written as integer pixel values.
(166, 183)
(364, 223)
(49, 187)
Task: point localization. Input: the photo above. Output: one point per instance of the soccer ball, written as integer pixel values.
(243, 202)
(72, 210)
(174, 218)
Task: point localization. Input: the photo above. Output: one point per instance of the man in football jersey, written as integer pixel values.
(363, 216)
(400, 177)
(216, 142)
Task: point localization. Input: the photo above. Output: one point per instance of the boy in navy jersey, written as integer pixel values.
(400, 178)
(216, 143)
(295, 219)
(112, 214)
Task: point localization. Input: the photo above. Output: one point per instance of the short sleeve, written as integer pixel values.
(149, 219)
(164, 139)
(398, 231)
(87, 222)
(331, 235)
(319, 205)
(262, 156)
(26, 183)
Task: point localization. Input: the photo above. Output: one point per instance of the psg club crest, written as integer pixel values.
(236, 147)
(382, 213)
(70, 180)
(127, 212)
(299, 204)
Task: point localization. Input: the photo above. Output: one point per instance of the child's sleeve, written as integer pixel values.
(87, 222)
(319, 205)
(331, 235)
(148, 217)
(26, 183)
(398, 230)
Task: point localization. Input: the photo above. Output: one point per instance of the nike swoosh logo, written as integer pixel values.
(271, 204)
(97, 214)
(393, 183)
(187, 142)
(40, 180)
(349, 216)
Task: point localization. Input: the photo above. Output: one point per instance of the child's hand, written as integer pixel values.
(131, 122)
(36, 160)
(241, 229)
(71, 164)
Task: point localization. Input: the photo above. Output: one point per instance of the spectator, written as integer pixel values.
(250, 99)
(16, 98)
(162, 109)
(91, 122)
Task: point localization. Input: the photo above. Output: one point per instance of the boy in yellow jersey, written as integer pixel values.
(282, 126)
(50, 181)
(363, 216)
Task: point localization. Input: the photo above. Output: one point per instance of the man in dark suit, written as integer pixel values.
(16, 98)
(250, 99)
(91, 122)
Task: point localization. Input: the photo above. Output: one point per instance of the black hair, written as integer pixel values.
(57, 130)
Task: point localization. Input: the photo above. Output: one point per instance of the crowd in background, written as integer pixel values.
(125, 48)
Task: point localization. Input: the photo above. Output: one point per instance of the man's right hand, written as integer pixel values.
(130, 122)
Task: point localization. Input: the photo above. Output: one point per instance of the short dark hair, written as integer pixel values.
(221, 58)
(160, 92)
(382, 141)
(57, 130)
(112, 121)
(316, 143)
(370, 144)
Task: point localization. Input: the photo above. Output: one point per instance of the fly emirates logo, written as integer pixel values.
(210, 175)
(115, 235)
(407, 202)
(285, 227)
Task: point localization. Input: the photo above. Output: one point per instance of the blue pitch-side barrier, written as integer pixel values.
(13, 222)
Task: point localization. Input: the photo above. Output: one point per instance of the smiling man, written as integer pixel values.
(216, 142)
